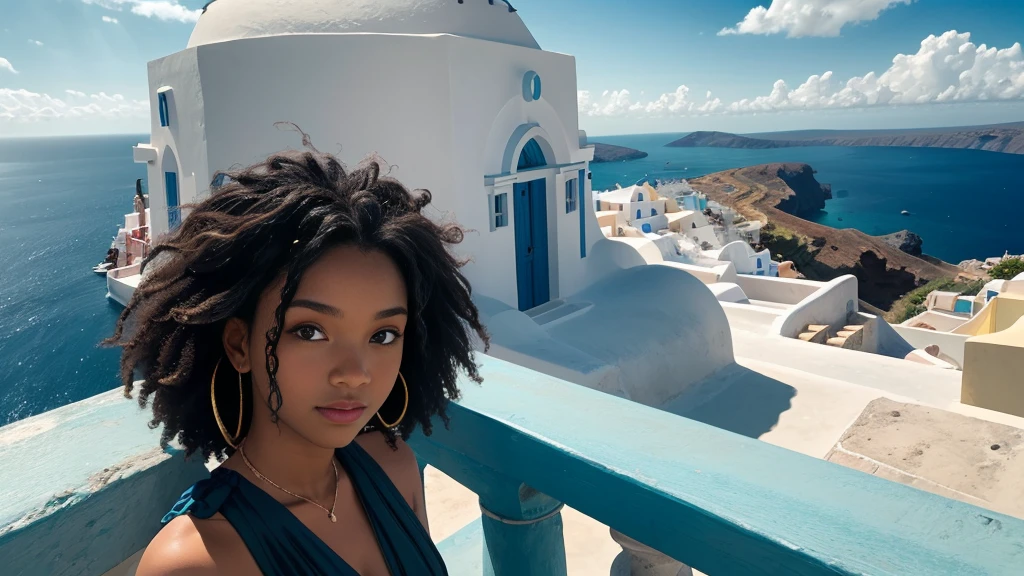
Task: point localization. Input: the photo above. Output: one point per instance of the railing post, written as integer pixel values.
(522, 532)
(637, 559)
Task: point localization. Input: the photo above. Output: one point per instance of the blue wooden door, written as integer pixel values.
(531, 222)
(171, 188)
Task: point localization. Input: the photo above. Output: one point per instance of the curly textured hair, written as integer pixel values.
(272, 219)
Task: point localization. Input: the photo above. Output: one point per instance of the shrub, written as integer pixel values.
(1007, 269)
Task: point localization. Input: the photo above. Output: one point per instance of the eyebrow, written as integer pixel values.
(316, 307)
(390, 312)
(332, 311)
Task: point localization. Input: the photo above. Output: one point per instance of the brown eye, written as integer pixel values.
(384, 337)
(310, 333)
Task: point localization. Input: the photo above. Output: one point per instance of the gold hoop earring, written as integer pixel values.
(233, 442)
(404, 407)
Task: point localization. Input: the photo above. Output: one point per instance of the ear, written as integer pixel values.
(236, 344)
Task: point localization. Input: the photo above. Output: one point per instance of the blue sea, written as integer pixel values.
(60, 204)
(61, 201)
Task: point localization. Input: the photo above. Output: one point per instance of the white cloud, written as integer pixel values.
(5, 64)
(110, 20)
(809, 17)
(23, 106)
(36, 42)
(947, 68)
(167, 10)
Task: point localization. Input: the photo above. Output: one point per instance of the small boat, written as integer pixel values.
(102, 268)
(905, 212)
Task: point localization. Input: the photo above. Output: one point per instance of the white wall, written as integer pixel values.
(705, 275)
(951, 345)
(703, 234)
(939, 321)
(659, 222)
(743, 256)
(185, 136)
(781, 290)
(646, 248)
(609, 255)
(830, 306)
(662, 327)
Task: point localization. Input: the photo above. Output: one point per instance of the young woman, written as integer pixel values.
(302, 321)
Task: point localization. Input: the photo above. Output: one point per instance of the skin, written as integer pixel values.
(341, 341)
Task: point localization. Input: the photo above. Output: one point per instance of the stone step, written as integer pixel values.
(816, 327)
(807, 336)
(846, 333)
(838, 342)
(854, 327)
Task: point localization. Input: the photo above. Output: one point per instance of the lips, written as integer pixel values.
(345, 412)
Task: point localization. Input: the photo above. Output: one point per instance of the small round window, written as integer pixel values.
(531, 86)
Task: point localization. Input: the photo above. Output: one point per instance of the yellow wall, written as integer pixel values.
(994, 370)
(1009, 309)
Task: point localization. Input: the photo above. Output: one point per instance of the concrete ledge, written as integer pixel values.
(948, 454)
(83, 487)
(144, 153)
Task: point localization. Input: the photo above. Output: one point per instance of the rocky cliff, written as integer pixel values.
(1006, 138)
(612, 153)
(779, 193)
(904, 240)
(808, 195)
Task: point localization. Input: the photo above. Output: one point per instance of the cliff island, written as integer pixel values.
(782, 194)
(1005, 138)
(612, 153)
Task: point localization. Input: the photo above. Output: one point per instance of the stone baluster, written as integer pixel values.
(522, 532)
(637, 559)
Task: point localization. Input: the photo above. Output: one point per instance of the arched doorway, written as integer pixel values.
(531, 230)
(171, 190)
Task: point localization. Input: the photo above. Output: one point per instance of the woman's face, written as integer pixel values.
(340, 348)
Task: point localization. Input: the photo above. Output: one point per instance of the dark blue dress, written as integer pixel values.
(282, 545)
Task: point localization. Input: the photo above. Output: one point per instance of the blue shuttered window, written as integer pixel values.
(583, 214)
(165, 111)
(500, 210)
(571, 196)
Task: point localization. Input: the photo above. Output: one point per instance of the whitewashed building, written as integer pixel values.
(457, 96)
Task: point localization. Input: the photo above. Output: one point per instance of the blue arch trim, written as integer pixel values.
(532, 156)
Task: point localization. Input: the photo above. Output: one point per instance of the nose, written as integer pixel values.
(351, 369)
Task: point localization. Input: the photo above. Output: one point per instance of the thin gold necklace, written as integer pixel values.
(330, 513)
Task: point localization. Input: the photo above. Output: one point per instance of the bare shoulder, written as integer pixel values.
(398, 463)
(178, 549)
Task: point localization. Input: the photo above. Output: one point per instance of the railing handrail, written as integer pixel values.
(720, 502)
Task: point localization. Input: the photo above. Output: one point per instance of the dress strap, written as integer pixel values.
(403, 540)
(204, 498)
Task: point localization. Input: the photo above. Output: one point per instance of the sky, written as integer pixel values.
(72, 67)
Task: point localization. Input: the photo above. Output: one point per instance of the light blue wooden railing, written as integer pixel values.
(722, 503)
(82, 488)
